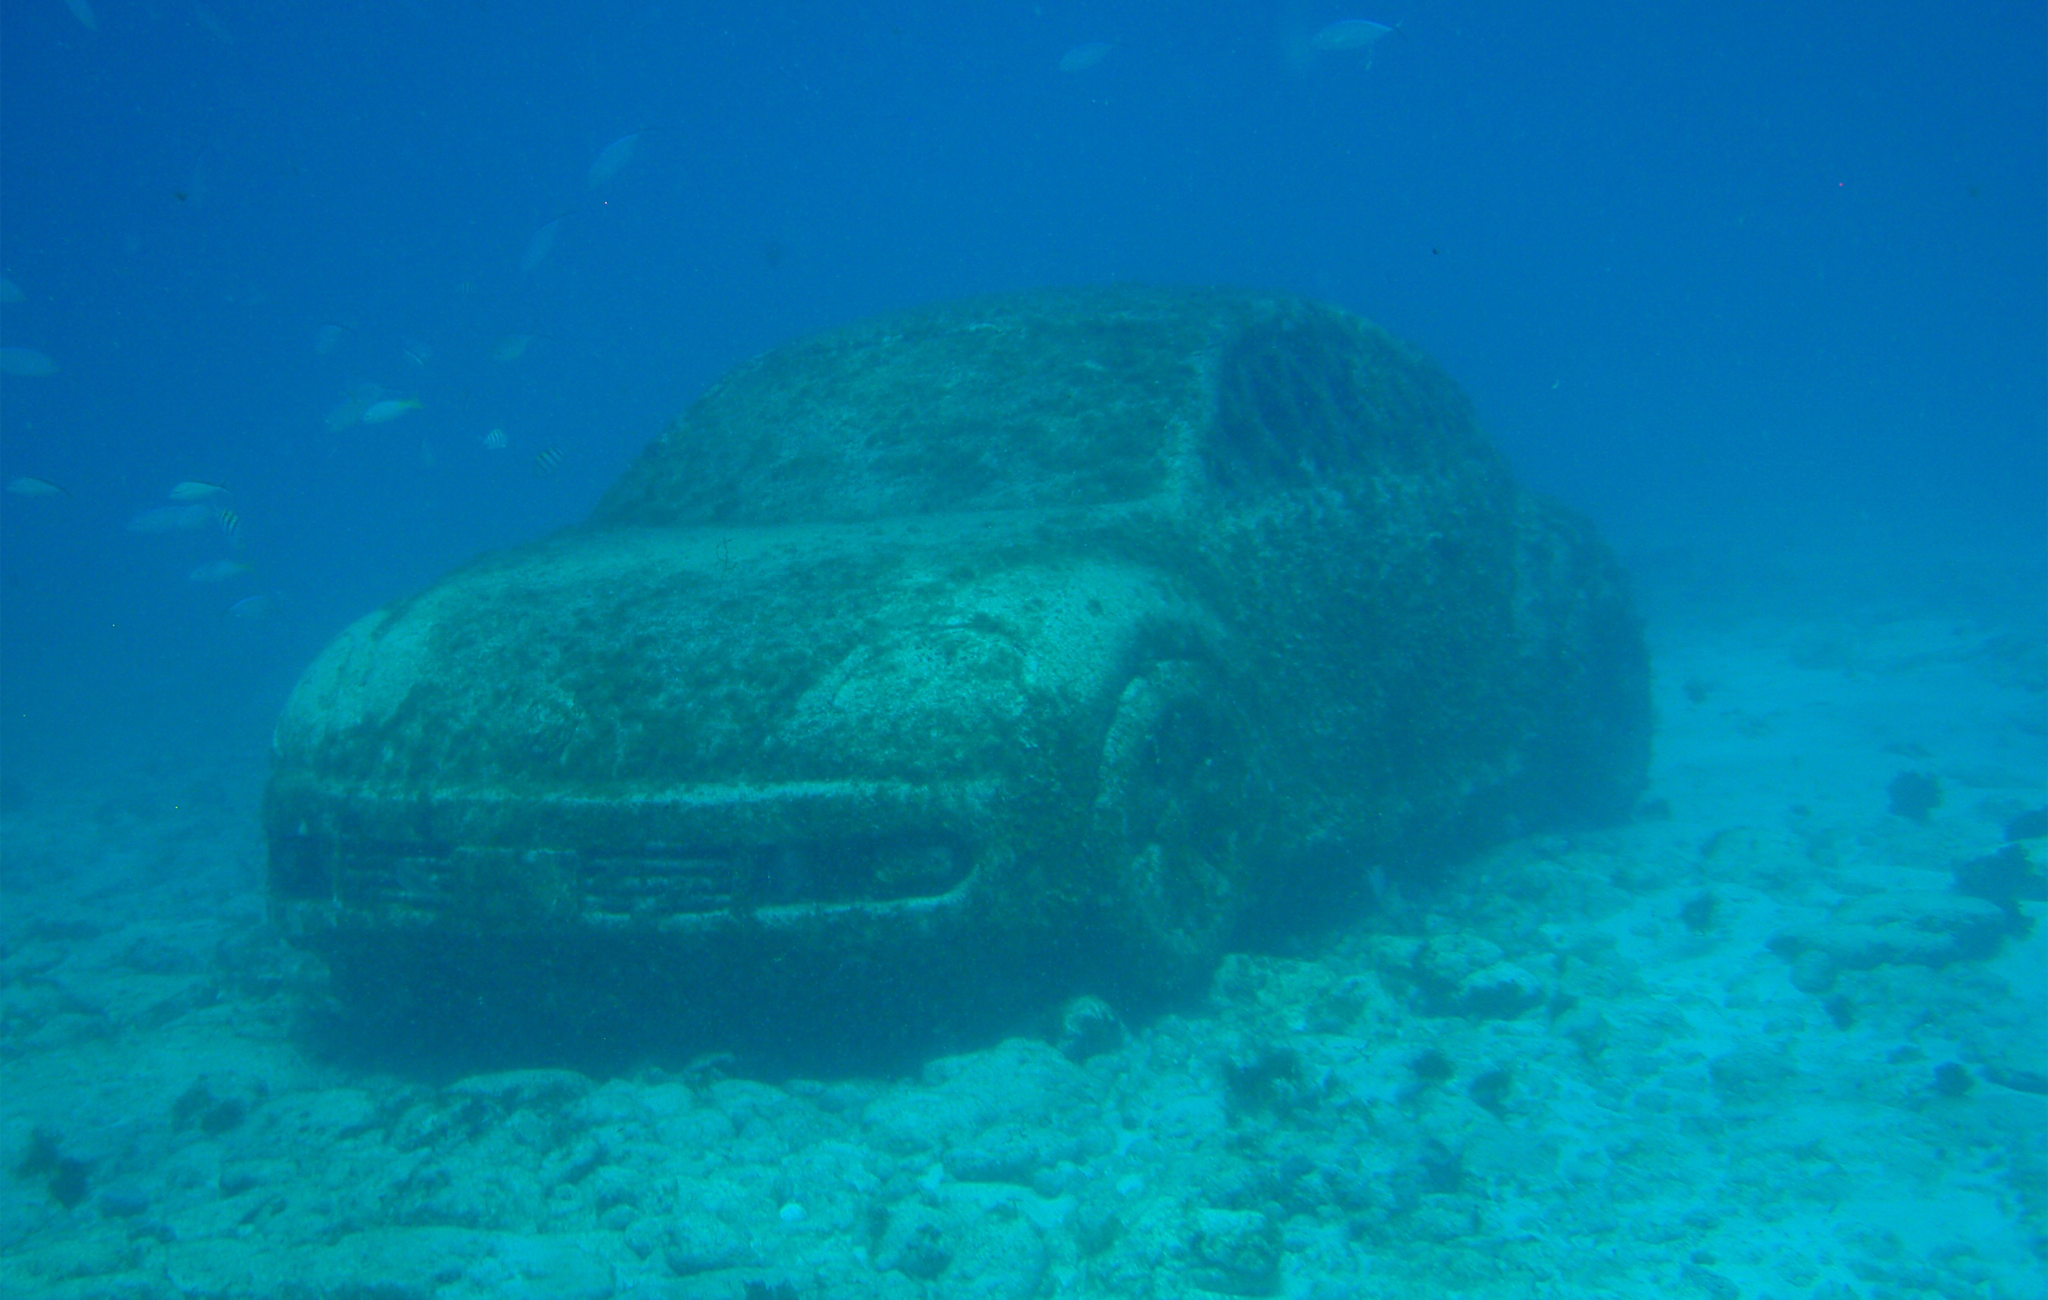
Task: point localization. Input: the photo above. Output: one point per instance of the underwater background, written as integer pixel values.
(1761, 289)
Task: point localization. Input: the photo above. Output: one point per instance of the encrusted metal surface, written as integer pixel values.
(1065, 625)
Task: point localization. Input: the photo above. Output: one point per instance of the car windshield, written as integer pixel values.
(974, 406)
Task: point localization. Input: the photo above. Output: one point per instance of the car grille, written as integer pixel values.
(327, 872)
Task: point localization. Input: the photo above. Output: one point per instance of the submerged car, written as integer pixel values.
(953, 660)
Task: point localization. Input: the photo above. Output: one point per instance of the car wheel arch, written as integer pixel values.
(1169, 781)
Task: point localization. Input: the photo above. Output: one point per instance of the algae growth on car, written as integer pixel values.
(953, 660)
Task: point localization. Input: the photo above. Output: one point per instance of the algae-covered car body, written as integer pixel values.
(1027, 641)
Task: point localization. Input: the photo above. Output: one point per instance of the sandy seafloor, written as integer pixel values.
(1755, 1044)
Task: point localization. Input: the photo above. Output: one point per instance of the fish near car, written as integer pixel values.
(389, 409)
(348, 412)
(251, 609)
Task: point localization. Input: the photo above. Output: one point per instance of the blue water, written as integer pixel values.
(1742, 282)
(1707, 270)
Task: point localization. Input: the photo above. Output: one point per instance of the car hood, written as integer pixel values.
(615, 661)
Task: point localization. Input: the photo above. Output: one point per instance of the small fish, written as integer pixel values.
(220, 571)
(390, 409)
(26, 362)
(614, 157)
(230, 524)
(25, 485)
(342, 414)
(538, 245)
(1349, 34)
(327, 338)
(512, 347)
(193, 489)
(495, 440)
(549, 460)
(255, 607)
(83, 13)
(417, 352)
(349, 410)
(1083, 57)
(170, 519)
(10, 291)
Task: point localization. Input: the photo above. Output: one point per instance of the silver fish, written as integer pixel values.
(1349, 34)
(538, 245)
(349, 410)
(255, 607)
(511, 347)
(220, 570)
(390, 409)
(609, 162)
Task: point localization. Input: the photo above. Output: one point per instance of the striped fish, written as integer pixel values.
(549, 460)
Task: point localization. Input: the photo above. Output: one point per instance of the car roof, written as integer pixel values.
(1049, 399)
